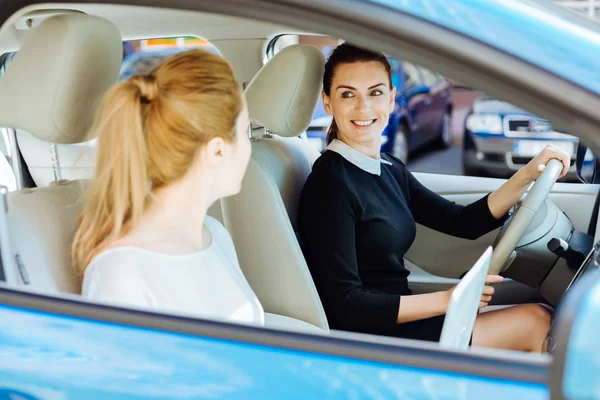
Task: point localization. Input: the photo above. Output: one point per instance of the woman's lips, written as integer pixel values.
(361, 123)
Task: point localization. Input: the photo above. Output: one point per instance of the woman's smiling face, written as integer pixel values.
(361, 101)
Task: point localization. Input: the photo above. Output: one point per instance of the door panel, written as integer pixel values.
(109, 352)
(453, 256)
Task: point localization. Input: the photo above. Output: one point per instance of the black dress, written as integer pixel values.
(355, 228)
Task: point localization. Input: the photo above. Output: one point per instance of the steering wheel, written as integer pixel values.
(514, 228)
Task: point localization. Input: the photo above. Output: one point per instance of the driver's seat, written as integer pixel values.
(262, 217)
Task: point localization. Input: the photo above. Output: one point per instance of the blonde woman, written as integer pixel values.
(170, 144)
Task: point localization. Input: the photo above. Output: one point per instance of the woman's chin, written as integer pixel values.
(368, 137)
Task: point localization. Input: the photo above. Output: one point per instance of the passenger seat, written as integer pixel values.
(51, 90)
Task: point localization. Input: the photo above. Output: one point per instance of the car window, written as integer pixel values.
(142, 56)
(467, 132)
(451, 130)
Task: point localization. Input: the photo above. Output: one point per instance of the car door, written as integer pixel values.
(437, 102)
(59, 348)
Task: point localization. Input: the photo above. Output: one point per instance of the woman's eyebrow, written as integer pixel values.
(353, 88)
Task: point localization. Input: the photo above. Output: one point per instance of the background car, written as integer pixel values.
(501, 138)
(421, 116)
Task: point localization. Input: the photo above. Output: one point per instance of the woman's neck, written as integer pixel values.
(371, 148)
(173, 223)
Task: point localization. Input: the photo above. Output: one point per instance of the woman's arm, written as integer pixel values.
(507, 195)
(421, 306)
(478, 218)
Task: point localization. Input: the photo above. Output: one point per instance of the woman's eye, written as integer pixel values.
(347, 95)
(376, 92)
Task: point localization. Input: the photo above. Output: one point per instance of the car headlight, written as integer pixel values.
(485, 123)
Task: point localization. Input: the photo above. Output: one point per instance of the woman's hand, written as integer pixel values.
(536, 166)
(503, 198)
(488, 291)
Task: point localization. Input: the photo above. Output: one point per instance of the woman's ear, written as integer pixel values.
(215, 151)
(392, 99)
(326, 103)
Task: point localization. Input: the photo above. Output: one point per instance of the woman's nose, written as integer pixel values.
(363, 103)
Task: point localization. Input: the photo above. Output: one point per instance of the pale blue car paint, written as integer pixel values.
(57, 357)
(582, 367)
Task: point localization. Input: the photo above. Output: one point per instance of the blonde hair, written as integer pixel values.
(149, 130)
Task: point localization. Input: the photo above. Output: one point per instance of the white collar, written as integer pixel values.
(357, 158)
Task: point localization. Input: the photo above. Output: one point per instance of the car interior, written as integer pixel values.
(64, 65)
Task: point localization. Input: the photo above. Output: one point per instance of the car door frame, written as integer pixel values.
(389, 353)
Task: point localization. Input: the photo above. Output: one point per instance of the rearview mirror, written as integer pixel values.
(586, 164)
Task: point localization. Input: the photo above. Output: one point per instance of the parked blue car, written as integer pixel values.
(421, 116)
(58, 346)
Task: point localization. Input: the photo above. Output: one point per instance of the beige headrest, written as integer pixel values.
(283, 94)
(53, 85)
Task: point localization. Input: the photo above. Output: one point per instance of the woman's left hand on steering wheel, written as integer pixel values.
(536, 166)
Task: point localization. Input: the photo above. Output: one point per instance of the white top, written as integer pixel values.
(206, 284)
(361, 160)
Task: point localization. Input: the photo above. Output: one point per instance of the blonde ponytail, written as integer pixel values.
(149, 129)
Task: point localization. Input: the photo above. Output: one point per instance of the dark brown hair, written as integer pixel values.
(348, 54)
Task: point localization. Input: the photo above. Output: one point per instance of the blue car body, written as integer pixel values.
(57, 348)
(422, 101)
(56, 355)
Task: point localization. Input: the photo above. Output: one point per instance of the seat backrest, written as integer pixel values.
(42, 225)
(53, 95)
(262, 217)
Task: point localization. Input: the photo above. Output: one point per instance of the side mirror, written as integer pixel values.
(586, 164)
(415, 90)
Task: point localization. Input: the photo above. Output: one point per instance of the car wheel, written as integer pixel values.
(445, 139)
(400, 149)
